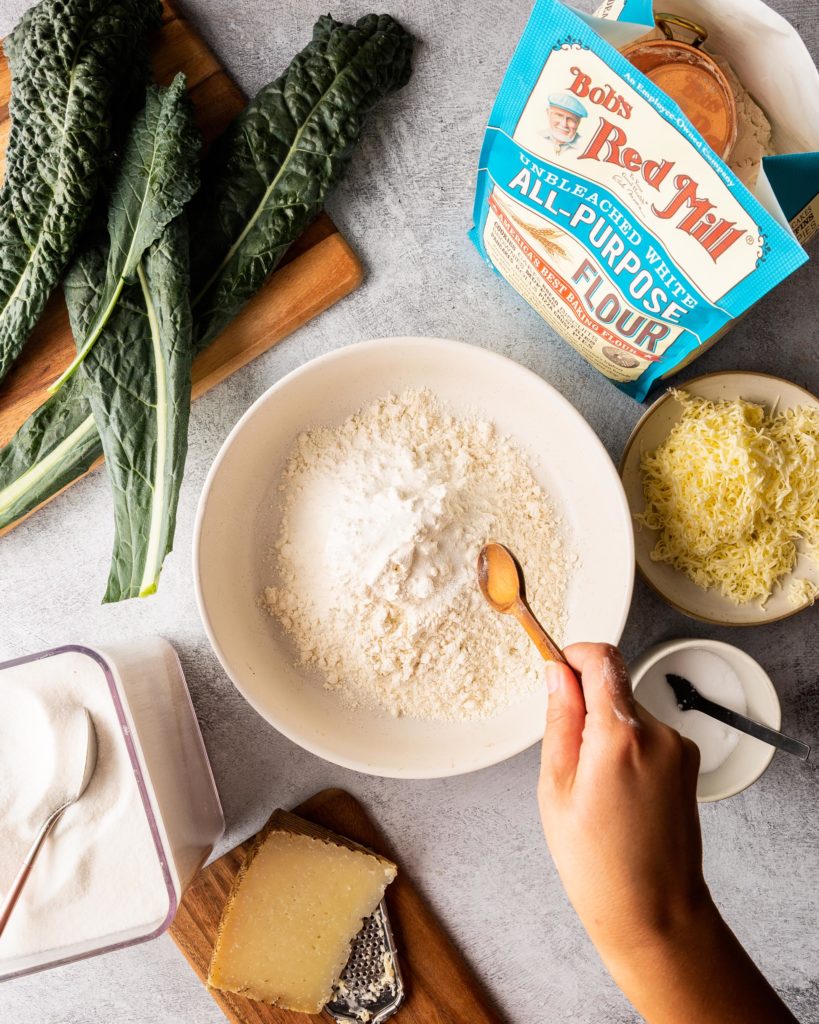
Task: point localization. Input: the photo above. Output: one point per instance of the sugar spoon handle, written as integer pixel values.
(88, 766)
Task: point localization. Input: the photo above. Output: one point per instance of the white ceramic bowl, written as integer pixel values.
(238, 519)
(750, 757)
(651, 430)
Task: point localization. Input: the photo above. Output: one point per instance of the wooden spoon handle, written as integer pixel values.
(537, 634)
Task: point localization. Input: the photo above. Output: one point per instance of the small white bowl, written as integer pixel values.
(750, 757)
(238, 519)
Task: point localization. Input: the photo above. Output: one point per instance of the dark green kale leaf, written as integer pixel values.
(129, 303)
(268, 177)
(57, 443)
(264, 184)
(138, 383)
(71, 62)
(157, 177)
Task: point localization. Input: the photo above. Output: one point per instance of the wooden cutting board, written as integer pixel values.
(440, 987)
(320, 267)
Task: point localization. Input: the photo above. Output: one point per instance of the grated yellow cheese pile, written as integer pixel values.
(731, 491)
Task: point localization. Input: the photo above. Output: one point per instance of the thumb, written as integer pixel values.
(565, 718)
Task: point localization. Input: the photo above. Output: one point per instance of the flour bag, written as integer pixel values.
(601, 202)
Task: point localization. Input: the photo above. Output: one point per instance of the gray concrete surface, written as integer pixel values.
(473, 844)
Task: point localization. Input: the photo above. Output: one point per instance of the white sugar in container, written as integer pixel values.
(114, 868)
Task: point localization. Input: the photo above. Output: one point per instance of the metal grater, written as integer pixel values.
(370, 989)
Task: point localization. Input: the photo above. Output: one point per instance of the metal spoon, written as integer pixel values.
(689, 698)
(88, 765)
(501, 581)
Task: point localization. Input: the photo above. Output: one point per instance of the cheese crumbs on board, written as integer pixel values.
(731, 491)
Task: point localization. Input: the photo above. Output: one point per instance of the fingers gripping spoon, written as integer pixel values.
(501, 581)
(82, 772)
(690, 699)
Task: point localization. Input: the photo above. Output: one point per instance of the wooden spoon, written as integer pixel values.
(501, 581)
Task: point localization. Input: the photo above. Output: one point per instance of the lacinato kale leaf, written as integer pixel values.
(57, 443)
(268, 177)
(138, 382)
(157, 177)
(264, 183)
(71, 62)
(131, 297)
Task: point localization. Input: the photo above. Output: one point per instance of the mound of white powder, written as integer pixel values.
(383, 518)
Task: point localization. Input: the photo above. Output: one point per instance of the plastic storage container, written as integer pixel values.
(155, 722)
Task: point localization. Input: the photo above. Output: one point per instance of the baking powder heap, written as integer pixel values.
(383, 518)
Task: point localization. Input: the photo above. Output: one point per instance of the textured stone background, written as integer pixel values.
(473, 844)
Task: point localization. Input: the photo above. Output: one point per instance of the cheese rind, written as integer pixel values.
(295, 907)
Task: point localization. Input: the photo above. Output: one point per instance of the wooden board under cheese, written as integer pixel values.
(440, 987)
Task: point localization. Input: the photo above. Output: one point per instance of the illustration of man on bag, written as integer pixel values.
(565, 113)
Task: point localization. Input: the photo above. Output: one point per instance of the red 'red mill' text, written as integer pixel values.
(610, 144)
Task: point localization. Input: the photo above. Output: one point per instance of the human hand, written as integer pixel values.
(617, 797)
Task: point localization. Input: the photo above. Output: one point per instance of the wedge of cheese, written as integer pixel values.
(296, 905)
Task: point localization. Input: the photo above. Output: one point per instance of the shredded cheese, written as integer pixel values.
(731, 491)
(803, 592)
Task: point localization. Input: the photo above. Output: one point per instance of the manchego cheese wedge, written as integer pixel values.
(296, 905)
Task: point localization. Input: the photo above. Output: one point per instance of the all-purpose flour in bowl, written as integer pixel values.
(383, 518)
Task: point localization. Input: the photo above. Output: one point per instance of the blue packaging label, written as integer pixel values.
(603, 207)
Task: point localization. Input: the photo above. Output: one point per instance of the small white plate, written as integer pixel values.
(750, 757)
(651, 430)
(237, 521)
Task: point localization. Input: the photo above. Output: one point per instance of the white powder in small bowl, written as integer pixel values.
(383, 518)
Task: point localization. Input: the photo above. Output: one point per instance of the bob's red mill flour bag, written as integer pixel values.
(642, 183)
